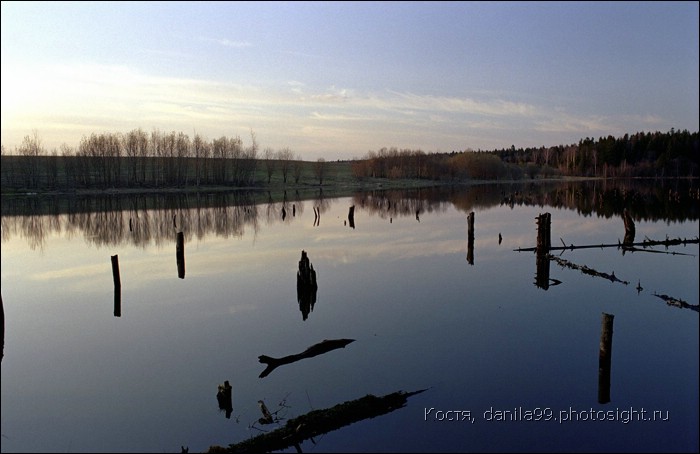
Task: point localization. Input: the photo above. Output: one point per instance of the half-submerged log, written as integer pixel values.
(307, 286)
(605, 359)
(180, 255)
(319, 422)
(223, 397)
(322, 347)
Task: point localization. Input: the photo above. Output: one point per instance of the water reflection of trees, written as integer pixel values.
(147, 219)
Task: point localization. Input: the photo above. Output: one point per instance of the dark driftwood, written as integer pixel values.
(315, 350)
(319, 422)
(645, 243)
(671, 301)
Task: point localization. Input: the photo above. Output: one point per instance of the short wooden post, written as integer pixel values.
(605, 359)
(351, 216)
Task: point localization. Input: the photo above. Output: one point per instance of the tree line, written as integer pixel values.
(672, 154)
(138, 159)
(156, 159)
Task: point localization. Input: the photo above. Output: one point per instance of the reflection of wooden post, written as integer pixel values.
(470, 238)
(117, 286)
(180, 255)
(605, 359)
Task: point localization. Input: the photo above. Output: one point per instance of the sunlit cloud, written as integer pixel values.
(64, 103)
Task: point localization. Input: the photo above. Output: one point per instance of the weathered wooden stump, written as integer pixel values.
(306, 286)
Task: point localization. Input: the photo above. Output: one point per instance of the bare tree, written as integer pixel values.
(269, 161)
(320, 170)
(285, 157)
(297, 168)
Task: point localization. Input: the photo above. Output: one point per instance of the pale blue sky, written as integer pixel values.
(336, 80)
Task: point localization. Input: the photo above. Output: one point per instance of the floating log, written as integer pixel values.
(605, 359)
(646, 243)
(319, 422)
(224, 399)
(322, 347)
(180, 255)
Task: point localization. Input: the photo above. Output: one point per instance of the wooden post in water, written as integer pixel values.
(117, 286)
(351, 216)
(306, 286)
(605, 359)
(629, 227)
(544, 237)
(180, 255)
(470, 238)
(544, 243)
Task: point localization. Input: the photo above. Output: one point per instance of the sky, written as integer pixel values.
(336, 80)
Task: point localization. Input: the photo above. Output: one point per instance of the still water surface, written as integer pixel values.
(506, 365)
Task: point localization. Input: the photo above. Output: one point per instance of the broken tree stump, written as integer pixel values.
(306, 286)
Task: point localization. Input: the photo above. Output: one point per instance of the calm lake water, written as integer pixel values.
(508, 356)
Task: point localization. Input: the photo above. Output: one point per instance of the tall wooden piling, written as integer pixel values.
(605, 358)
(117, 286)
(180, 255)
(470, 238)
(544, 233)
(544, 243)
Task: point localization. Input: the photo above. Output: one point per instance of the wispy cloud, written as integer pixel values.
(228, 43)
